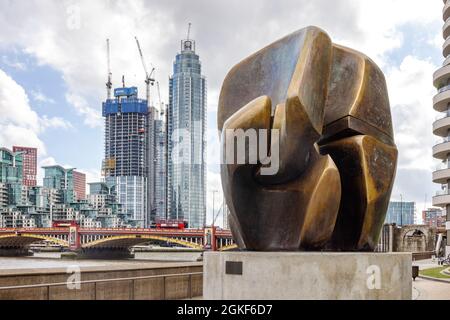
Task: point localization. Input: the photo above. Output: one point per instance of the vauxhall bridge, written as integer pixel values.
(93, 241)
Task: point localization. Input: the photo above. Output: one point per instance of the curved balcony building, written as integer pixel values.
(441, 127)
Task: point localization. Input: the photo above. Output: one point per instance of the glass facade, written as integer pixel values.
(11, 178)
(401, 213)
(128, 136)
(131, 194)
(58, 178)
(160, 170)
(186, 139)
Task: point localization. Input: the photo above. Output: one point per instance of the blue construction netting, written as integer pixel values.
(131, 105)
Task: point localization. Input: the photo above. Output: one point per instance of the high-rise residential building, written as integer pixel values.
(160, 168)
(11, 177)
(434, 217)
(128, 140)
(79, 185)
(23, 206)
(186, 198)
(103, 198)
(29, 165)
(441, 127)
(62, 180)
(401, 213)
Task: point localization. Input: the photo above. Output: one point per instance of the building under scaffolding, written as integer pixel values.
(128, 133)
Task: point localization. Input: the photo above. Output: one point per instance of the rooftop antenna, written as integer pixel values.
(123, 81)
(189, 31)
(109, 83)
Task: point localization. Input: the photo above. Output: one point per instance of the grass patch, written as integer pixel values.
(435, 273)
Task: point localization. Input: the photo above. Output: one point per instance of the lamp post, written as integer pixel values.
(401, 210)
(214, 206)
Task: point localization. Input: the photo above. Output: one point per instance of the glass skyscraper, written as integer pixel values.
(186, 198)
(401, 213)
(160, 168)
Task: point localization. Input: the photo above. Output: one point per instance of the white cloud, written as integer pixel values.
(55, 122)
(19, 123)
(41, 97)
(14, 64)
(411, 93)
(92, 117)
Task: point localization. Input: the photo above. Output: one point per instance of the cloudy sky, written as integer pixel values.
(53, 66)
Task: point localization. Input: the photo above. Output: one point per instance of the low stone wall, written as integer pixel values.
(417, 256)
(307, 276)
(140, 289)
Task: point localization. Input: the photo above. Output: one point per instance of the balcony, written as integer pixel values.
(446, 11)
(442, 199)
(441, 76)
(442, 173)
(441, 126)
(442, 99)
(441, 149)
(446, 48)
(446, 29)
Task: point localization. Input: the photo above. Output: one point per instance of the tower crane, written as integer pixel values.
(149, 81)
(161, 107)
(108, 57)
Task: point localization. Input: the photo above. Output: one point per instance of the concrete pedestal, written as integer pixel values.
(307, 276)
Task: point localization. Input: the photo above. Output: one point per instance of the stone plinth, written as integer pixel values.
(307, 276)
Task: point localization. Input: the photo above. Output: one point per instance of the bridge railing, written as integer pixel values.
(132, 280)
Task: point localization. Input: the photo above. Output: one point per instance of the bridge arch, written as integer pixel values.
(128, 241)
(229, 248)
(22, 240)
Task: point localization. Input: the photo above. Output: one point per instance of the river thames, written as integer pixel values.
(53, 260)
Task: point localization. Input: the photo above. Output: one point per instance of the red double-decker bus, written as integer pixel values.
(171, 224)
(64, 224)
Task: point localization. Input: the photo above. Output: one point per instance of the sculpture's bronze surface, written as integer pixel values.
(337, 156)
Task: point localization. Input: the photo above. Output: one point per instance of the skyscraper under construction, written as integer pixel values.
(128, 132)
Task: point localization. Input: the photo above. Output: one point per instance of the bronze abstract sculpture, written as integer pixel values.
(335, 147)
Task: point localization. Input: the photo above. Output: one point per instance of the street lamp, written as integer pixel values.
(214, 205)
(401, 210)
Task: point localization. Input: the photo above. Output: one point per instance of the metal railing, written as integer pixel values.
(443, 193)
(443, 89)
(95, 282)
(443, 166)
(441, 116)
(442, 141)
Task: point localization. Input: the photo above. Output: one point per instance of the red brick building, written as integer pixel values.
(79, 185)
(29, 165)
(434, 218)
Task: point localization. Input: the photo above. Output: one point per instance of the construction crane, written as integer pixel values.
(161, 107)
(148, 77)
(108, 57)
(150, 134)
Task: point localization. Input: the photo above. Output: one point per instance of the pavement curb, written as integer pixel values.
(434, 279)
